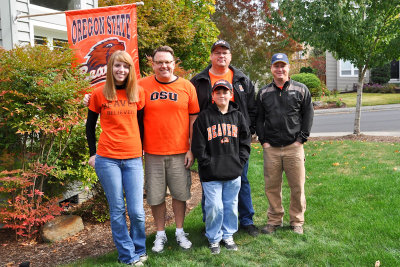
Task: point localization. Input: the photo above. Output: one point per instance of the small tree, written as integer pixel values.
(252, 40)
(366, 33)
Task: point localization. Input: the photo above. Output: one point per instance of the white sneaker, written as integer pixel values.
(230, 244)
(143, 257)
(183, 241)
(137, 263)
(159, 243)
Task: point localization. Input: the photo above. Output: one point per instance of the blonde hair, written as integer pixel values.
(110, 91)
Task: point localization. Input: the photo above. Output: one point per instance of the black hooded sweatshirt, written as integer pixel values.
(221, 143)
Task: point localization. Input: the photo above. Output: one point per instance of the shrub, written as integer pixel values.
(96, 209)
(40, 92)
(311, 81)
(41, 124)
(378, 88)
(380, 75)
(25, 210)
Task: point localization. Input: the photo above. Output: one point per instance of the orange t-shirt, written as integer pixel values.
(166, 115)
(228, 76)
(120, 136)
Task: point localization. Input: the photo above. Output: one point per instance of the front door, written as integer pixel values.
(394, 70)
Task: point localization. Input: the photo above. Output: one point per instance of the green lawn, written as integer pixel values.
(352, 216)
(368, 99)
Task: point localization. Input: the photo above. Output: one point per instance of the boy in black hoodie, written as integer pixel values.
(221, 144)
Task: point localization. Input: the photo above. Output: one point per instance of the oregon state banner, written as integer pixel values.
(94, 34)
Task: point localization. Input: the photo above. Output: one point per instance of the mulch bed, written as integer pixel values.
(94, 240)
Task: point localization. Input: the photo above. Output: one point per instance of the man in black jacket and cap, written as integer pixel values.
(284, 119)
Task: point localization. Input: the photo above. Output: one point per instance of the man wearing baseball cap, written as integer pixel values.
(284, 120)
(221, 144)
(244, 96)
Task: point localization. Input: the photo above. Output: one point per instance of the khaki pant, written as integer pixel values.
(291, 160)
(166, 170)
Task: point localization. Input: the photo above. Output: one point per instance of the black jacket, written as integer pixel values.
(243, 93)
(221, 143)
(284, 116)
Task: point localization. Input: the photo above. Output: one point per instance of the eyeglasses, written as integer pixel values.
(221, 53)
(160, 63)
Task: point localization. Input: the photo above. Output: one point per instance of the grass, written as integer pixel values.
(352, 217)
(368, 99)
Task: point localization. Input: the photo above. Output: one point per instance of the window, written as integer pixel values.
(40, 40)
(61, 5)
(53, 43)
(60, 43)
(347, 69)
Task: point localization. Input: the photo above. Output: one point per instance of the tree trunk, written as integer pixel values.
(361, 75)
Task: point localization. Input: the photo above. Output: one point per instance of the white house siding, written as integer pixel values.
(14, 32)
(8, 29)
(333, 78)
(23, 30)
(331, 71)
(1, 35)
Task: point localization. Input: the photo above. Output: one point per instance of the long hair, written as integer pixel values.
(110, 91)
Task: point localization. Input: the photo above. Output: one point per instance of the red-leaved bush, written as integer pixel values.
(26, 208)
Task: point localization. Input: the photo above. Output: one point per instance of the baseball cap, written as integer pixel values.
(222, 83)
(279, 57)
(220, 43)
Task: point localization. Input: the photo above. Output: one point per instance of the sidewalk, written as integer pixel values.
(352, 110)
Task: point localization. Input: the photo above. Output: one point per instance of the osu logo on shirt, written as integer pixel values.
(164, 95)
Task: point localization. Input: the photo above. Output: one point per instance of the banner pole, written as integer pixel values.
(62, 12)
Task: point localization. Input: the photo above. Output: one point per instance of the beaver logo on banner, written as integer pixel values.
(97, 58)
(94, 34)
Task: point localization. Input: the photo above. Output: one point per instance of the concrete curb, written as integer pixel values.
(336, 134)
(353, 110)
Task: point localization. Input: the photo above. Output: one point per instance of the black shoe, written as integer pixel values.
(251, 229)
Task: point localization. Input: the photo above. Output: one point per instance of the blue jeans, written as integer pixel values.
(246, 211)
(221, 205)
(118, 176)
